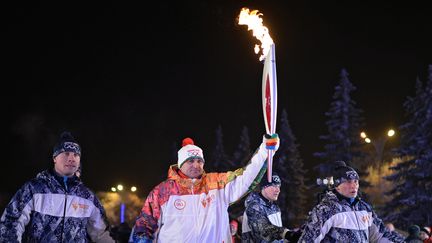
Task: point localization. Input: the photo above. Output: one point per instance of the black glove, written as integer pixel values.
(293, 235)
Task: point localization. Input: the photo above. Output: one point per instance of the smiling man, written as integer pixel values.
(342, 216)
(56, 206)
(191, 205)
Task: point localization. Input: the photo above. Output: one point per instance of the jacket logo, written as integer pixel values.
(77, 206)
(365, 218)
(179, 204)
(207, 200)
(352, 175)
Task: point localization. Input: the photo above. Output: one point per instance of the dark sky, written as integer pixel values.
(130, 80)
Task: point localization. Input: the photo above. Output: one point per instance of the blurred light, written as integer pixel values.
(122, 212)
(363, 134)
(367, 140)
(390, 133)
(120, 187)
(133, 189)
(113, 189)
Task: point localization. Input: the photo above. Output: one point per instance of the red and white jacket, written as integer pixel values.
(196, 210)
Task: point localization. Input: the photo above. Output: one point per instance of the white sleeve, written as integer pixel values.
(97, 227)
(243, 178)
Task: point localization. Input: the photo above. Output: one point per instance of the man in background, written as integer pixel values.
(56, 206)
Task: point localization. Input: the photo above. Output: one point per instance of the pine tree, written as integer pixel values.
(243, 151)
(220, 161)
(412, 193)
(344, 124)
(289, 166)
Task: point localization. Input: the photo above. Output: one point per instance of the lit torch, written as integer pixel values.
(269, 83)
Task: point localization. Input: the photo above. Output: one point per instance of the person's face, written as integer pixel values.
(233, 229)
(67, 163)
(193, 168)
(423, 235)
(349, 188)
(271, 192)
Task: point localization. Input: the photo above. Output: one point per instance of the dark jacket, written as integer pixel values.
(336, 219)
(52, 209)
(261, 220)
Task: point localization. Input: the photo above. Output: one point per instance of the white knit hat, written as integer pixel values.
(189, 151)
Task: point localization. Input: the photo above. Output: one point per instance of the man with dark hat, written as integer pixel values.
(56, 206)
(191, 205)
(342, 216)
(262, 220)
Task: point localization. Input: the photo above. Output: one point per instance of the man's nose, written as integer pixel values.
(196, 164)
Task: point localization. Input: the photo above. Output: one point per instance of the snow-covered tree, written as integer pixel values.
(412, 178)
(219, 160)
(243, 152)
(289, 166)
(344, 124)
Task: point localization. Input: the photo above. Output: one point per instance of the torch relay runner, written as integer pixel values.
(192, 205)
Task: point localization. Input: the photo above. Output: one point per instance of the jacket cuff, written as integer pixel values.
(284, 233)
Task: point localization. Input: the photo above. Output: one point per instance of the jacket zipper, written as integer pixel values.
(358, 224)
(64, 217)
(64, 209)
(192, 187)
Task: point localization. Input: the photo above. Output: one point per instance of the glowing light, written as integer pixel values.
(391, 133)
(113, 189)
(133, 189)
(255, 23)
(363, 135)
(120, 187)
(367, 140)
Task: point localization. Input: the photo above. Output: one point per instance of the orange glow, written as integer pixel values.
(255, 23)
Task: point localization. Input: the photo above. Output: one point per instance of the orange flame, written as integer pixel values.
(255, 23)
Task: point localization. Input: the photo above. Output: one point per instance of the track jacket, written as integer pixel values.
(44, 210)
(335, 219)
(196, 210)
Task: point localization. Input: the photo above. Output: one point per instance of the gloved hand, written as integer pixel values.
(271, 141)
(293, 235)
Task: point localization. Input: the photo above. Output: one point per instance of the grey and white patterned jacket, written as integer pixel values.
(44, 210)
(261, 220)
(335, 219)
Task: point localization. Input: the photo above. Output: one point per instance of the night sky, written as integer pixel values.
(130, 80)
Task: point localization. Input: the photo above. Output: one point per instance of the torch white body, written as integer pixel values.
(269, 101)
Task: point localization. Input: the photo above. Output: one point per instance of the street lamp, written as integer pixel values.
(119, 189)
(379, 143)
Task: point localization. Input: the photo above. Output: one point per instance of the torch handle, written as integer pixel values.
(269, 101)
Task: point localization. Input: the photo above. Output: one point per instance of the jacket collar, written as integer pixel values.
(341, 197)
(66, 184)
(174, 174)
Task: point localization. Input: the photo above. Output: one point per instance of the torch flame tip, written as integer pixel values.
(255, 23)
